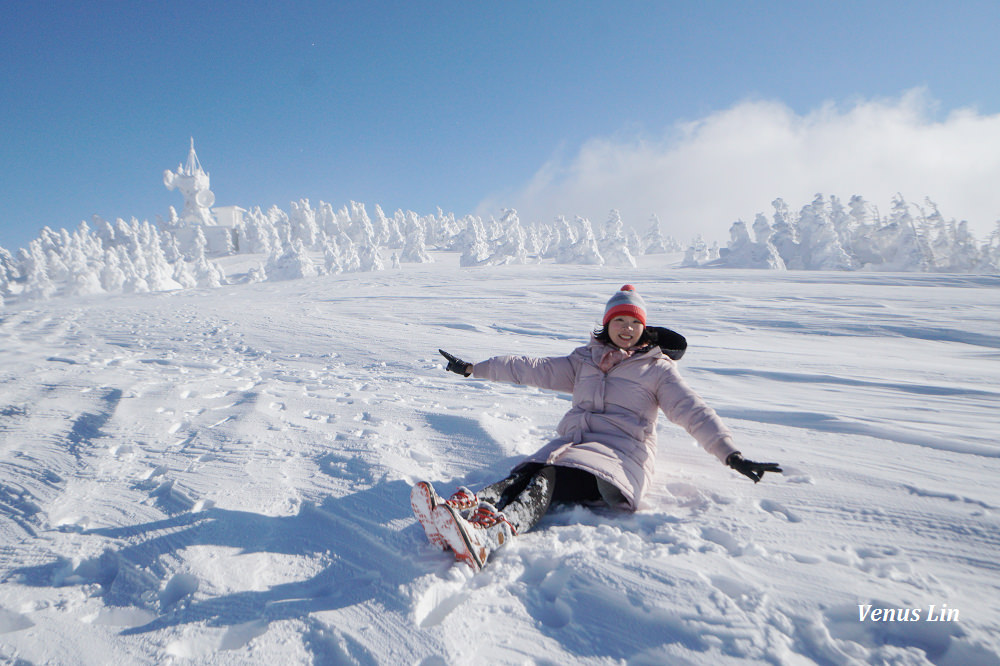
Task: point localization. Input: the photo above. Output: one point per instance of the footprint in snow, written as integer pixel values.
(778, 509)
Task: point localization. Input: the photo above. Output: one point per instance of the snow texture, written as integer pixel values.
(221, 476)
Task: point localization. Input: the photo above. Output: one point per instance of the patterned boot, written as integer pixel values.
(423, 499)
(473, 539)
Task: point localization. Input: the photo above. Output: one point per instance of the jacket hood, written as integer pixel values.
(671, 343)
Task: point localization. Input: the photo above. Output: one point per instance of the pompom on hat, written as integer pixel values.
(628, 302)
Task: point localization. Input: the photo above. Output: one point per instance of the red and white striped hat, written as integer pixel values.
(626, 301)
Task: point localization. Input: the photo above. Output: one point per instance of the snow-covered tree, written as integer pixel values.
(7, 273)
(613, 246)
(862, 245)
(369, 258)
(744, 252)
(964, 255)
(902, 246)
(990, 254)
(414, 249)
(293, 263)
(210, 274)
(584, 249)
(471, 242)
(83, 262)
(332, 257)
(258, 234)
(510, 247)
(819, 243)
(350, 261)
(784, 236)
(303, 226)
(8, 266)
(381, 227)
(654, 242)
(38, 284)
(698, 253)
(360, 228)
(327, 222)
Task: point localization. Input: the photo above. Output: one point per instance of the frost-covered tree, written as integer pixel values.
(258, 234)
(414, 249)
(585, 249)
(303, 226)
(332, 257)
(765, 254)
(184, 274)
(369, 258)
(613, 246)
(899, 243)
(841, 219)
(7, 273)
(784, 236)
(744, 252)
(396, 225)
(654, 242)
(279, 220)
(292, 264)
(327, 222)
(561, 237)
(159, 271)
(256, 274)
(82, 258)
(210, 274)
(8, 266)
(510, 247)
(350, 261)
(380, 227)
(698, 253)
(819, 243)
(990, 254)
(442, 228)
(34, 266)
(112, 274)
(964, 254)
(471, 242)
(360, 228)
(863, 245)
(57, 269)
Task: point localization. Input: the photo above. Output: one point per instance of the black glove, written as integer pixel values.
(457, 365)
(749, 468)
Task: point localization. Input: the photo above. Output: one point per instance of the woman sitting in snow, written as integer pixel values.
(607, 441)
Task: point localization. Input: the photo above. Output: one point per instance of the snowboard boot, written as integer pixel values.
(423, 499)
(473, 539)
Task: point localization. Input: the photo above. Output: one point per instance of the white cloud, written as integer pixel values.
(730, 165)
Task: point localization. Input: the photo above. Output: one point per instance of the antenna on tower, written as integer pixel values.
(193, 165)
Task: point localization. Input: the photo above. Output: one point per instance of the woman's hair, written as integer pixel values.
(601, 335)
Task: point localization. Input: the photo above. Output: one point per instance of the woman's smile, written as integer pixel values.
(624, 331)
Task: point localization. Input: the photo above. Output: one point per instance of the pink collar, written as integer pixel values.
(612, 357)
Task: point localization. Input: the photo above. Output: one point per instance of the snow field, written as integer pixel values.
(222, 475)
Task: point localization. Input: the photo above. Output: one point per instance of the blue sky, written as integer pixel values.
(698, 112)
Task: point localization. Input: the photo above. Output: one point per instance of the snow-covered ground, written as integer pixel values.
(222, 475)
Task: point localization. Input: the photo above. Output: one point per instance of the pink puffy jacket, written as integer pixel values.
(611, 429)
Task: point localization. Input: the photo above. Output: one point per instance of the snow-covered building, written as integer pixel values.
(229, 216)
(216, 224)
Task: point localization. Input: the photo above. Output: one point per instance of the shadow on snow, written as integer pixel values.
(364, 561)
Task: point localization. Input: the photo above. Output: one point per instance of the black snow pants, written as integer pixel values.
(525, 495)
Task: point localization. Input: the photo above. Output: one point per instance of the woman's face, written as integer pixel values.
(625, 331)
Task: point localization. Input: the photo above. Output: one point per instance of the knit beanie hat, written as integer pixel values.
(628, 302)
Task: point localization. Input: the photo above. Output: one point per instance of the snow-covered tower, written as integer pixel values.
(193, 183)
(218, 226)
